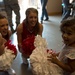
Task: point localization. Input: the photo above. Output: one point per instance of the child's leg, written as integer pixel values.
(25, 61)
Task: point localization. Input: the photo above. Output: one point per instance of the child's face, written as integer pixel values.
(68, 36)
(3, 26)
(32, 19)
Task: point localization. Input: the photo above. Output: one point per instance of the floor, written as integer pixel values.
(51, 33)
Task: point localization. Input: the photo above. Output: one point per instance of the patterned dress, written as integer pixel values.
(67, 52)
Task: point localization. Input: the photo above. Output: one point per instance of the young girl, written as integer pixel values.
(4, 27)
(8, 53)
(66, 58)
(44, 63)
(28, 28)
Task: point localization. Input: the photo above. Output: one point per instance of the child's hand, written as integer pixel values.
(52, 58)
(51, 52)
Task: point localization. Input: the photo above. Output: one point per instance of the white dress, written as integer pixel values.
(38, 60)
(6, 59)
(40, 65)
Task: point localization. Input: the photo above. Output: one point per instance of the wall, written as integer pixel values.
(54, 7)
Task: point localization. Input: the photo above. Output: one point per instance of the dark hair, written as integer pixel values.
(6, 36)
(28, 11)
(2, 16)
(69, 23)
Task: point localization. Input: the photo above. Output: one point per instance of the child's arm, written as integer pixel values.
(59, 63)
(72, 64)
(19, 36)
(56, 54)
(40, 29)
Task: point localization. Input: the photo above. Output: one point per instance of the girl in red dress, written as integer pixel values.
(28, 28)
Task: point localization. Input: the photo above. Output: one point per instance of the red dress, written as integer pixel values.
(27, 40)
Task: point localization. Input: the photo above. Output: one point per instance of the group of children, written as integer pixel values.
(64, 60)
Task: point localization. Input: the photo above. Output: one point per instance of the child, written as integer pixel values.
(4, 27)
(8, 53)
(28, 28)
(64, 63)
(66, 58)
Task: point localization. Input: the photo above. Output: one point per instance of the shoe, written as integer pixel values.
(46, 19)
(25, 61)
(11, 71)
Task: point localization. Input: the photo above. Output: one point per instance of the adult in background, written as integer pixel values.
(73, 9)
(44, 11)
(66, 9)
(12, 5)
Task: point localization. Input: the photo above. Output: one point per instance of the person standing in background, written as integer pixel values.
(66, 9)
(73, 8)
(12, 5)
(44, 11)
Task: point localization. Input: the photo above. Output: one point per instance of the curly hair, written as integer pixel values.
(68, 23)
